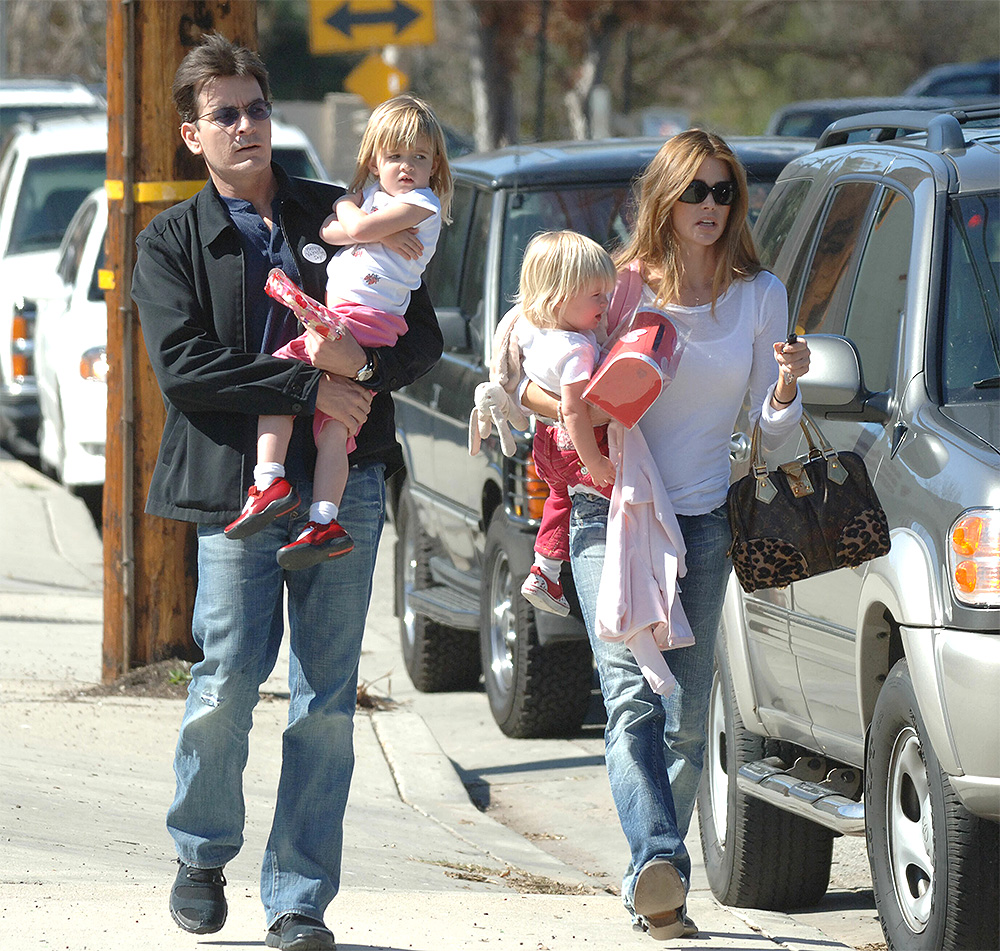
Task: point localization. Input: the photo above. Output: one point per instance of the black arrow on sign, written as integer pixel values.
(345, 18)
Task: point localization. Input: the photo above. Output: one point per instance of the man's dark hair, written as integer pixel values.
(215, 56)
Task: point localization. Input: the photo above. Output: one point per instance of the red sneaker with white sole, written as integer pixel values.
(263, 507)
(543, 593)
(316, 543)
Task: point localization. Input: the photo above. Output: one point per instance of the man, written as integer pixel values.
(209, 330)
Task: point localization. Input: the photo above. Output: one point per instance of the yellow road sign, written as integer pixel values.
(339, 26)
(374, 80)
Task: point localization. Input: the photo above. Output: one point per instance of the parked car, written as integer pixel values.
(867, 701)
(466, 524)
(47, 170)
(959, 80)
(26, 100)
(810, 117)
(71, 363)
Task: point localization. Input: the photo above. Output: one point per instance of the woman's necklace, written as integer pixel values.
(695, 296)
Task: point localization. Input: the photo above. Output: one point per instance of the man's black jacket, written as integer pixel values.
(188, 286)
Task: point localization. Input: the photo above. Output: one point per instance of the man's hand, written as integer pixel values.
(343, 357)
(344, 400)
(405, 243)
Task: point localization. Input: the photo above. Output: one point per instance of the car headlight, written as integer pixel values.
(974, 557)
(94, 365)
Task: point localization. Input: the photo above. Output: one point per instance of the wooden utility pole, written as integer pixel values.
(149, 563)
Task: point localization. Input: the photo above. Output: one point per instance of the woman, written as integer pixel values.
(693, 249)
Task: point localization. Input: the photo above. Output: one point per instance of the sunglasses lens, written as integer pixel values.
(259, 110)
(694, 193)
(723, 193)
(227, 116)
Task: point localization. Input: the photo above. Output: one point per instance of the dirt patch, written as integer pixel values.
(166, 679)
(169, 679)
(525, 883)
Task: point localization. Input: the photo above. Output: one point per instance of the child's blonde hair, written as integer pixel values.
(401, 121)
(558, 265)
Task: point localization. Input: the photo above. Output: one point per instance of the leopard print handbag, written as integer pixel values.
(812, 515)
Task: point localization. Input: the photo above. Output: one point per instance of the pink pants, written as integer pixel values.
(369, 327)
(560, 468)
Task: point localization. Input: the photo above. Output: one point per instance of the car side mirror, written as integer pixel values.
(834, 386)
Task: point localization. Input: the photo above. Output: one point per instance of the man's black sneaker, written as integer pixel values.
(197, 900)
(299, 933)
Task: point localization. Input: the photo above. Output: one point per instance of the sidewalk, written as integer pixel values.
(87, 861)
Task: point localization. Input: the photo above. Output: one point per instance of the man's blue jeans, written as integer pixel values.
(654, 747)
(238, 624)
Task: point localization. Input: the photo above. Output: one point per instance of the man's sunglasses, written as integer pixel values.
(697, 192)
(228, 116)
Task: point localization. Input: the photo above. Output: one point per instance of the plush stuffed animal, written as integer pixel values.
(496, 400)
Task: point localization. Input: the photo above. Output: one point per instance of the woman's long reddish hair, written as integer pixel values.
(654, 242)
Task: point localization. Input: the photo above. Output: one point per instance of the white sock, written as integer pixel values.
(322, 513)
(550, 567)
(264, 473)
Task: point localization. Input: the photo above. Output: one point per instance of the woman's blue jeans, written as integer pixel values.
(654, 747)
(238, 624)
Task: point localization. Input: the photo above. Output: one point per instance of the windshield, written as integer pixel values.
(970, 354)
(52, 189)
(600, 212)
(296, 162)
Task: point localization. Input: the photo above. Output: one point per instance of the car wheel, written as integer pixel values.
(437, 657)
(934, 864)
(756, 856)
(533, 690)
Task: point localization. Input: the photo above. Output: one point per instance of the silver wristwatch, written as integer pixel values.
(367, 371)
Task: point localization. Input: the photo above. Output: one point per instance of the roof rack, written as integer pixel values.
(944, 129)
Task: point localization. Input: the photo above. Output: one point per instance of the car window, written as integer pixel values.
(880, 291)
(296, 162)
(823, 303)
(51, 191)
(444, 270)
(959, 86)
(472, 293)
(74, 242)
(602, 212)
(772, 229)
(970, 353)
(95, 292)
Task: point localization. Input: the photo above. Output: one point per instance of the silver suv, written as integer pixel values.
(867, 701)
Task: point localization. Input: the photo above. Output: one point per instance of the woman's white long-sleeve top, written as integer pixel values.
(689, 426)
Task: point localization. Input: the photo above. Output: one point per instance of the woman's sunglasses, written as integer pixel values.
(228, 116)
(697, 192)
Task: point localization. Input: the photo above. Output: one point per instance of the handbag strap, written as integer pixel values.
(819, 448)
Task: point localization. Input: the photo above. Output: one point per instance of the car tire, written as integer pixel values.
(756, 856)
(437, 657)
(533, 690)
(933, 863)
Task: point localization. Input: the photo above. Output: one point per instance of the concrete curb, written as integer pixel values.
(427, 781)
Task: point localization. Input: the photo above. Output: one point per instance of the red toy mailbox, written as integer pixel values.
(640, 363)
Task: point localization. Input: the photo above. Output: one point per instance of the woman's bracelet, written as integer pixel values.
(774, 396)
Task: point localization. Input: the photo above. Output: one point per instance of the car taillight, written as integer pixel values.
(537, 491)
(94, 365)
(974, 558)
(22, 340)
